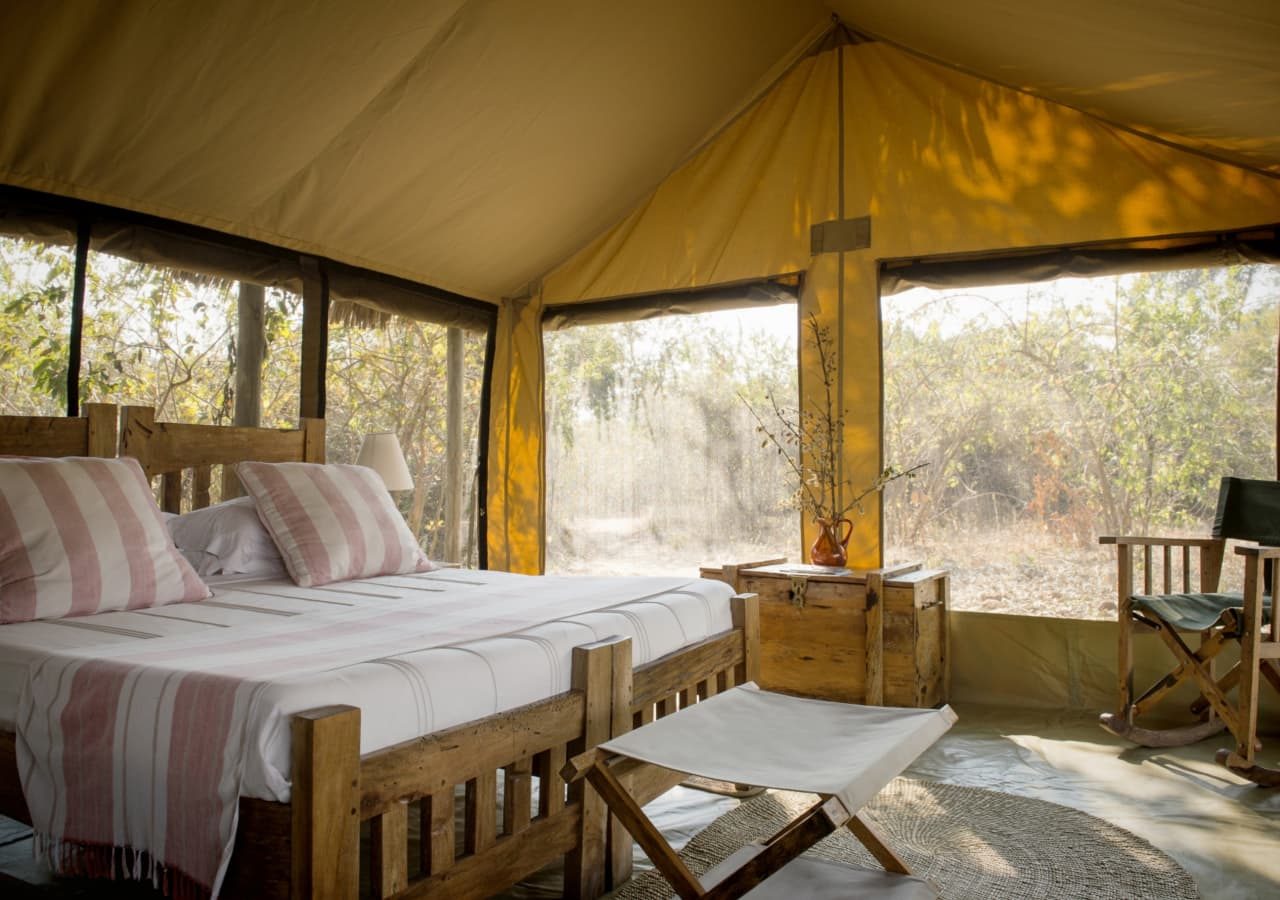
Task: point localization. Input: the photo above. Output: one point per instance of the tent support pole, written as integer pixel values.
(251, 339)
(453, 447)
(315, 338)
(80, 276)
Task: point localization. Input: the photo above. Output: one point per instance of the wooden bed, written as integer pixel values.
(311, 847)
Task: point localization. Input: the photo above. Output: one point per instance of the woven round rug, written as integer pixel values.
(971, 844)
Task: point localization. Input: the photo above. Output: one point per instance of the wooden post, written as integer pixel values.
(389, 836)
(315, 338)
(875, 639)
(326, 804)
(436, 827)
(746, 616)
(201, 482)
(136, 422)
(453, 447)
(619, 839)
(251, 342)
(102, 429)
(584, 875)
(481, 810)
(1124, 613)
(1250, 645)
(313, 440)
(517, 797)
(171, 492)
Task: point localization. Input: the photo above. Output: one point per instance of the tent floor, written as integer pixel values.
(1220, 828)
(1224, 831)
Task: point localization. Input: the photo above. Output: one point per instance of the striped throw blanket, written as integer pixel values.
(132, 755)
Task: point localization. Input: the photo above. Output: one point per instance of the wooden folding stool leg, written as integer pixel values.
(870, 838)
(763, 859)
(594, 766)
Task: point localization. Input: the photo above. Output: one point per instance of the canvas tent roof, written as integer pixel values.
(1202, 73)
(554, 154)
(473, 145)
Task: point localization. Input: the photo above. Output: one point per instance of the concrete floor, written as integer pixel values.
(1225, 832)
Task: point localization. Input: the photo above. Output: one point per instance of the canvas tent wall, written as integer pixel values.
(946, 165)
(535, 155)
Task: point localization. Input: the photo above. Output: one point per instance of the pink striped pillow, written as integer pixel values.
(331, 522)
(80, 536)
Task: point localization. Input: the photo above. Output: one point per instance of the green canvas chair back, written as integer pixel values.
(1248, 510)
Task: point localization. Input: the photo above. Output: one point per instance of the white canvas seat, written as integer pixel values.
(842, 752)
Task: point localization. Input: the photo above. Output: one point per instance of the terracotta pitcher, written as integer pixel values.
(831, 548)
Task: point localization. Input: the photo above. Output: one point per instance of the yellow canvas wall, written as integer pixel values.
(942, 162)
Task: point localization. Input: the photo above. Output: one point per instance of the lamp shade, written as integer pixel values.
(381, 452)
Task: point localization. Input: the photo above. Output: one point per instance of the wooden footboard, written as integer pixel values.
(317, 835)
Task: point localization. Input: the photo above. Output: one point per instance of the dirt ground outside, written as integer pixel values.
(1017, 570)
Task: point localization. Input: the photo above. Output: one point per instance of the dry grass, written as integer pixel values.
(1022, 570)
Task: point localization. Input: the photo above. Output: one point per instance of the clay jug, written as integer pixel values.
(831, 548)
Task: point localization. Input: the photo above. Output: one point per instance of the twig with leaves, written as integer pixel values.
(809, 440)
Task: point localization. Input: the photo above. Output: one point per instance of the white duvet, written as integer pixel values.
(474, 643)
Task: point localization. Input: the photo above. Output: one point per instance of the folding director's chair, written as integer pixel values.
(1247, 510)
(843, 753)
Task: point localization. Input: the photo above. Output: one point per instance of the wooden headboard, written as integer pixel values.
(92, 434)
(166, 449)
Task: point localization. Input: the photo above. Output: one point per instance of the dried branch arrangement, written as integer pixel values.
(808, 437)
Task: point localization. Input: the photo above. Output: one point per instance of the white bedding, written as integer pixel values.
(410, 691)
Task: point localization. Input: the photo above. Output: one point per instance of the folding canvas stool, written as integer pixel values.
(843, 753)
(1247, 510)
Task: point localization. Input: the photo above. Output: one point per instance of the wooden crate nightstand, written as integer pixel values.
(876, 637)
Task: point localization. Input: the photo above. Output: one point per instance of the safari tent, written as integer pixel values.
(512, 167)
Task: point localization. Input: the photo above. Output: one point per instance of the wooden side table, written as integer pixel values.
(877, 637)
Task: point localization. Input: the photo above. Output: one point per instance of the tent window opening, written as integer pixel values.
(1053, 413)
(422, 381)
(653, 462)
(195, 347)
(35, 326)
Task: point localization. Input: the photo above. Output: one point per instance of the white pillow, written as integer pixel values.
(80, 536)
(227, 539)
(331, 522)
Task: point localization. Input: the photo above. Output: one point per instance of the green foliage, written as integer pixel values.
(165, 338)
(1101, 412)
(670, 453)
(34, 325)
(394, 378)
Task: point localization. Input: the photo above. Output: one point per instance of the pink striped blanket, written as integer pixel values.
(132, 755)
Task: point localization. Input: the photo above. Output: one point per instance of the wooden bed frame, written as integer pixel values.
(311, 847)
(92, 434)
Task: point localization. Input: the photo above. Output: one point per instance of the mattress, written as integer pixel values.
(520, 631)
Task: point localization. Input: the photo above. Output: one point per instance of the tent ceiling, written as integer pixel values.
(468, 144)
(1203, 73)
(475, 144)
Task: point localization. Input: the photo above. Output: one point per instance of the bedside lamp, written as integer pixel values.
(381, 452)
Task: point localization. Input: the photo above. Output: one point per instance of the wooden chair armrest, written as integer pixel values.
(1143, 541)
(1257, 551)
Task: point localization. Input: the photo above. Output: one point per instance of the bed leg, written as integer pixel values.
(584, 875)
(746, 617)
(619, 839)
(325, 803)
